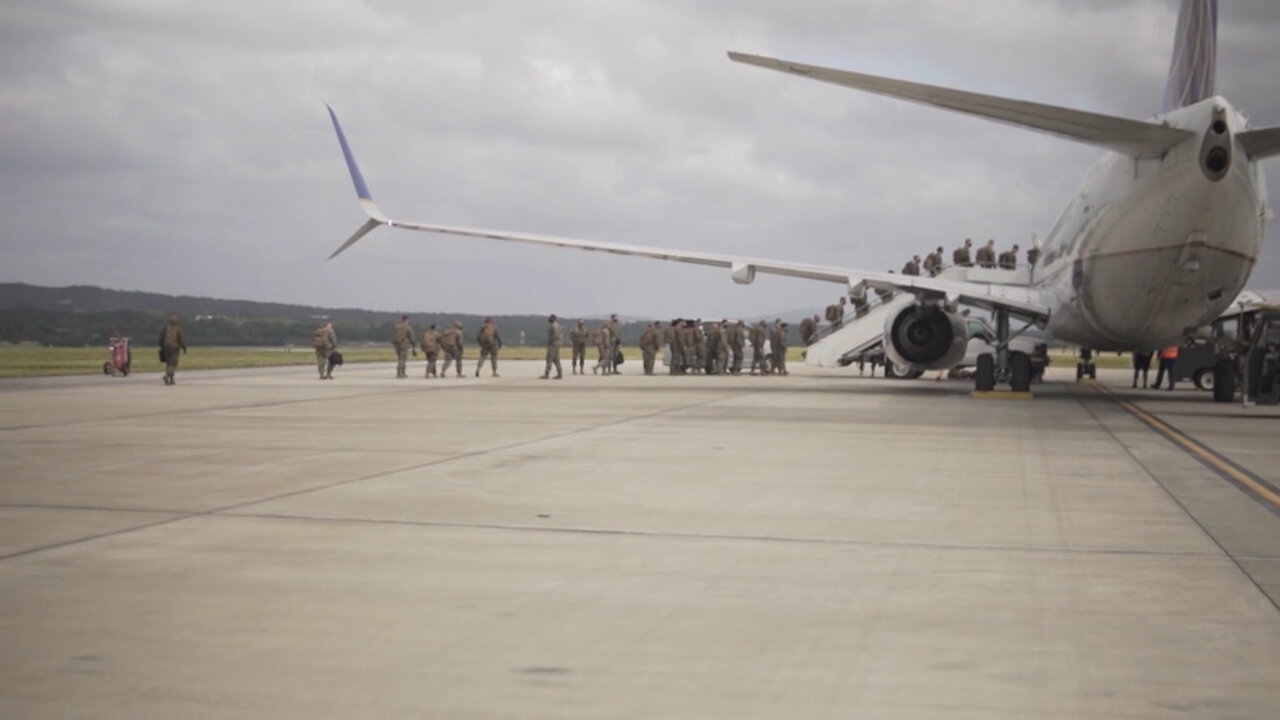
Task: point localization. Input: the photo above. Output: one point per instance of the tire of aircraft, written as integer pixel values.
(984, 373)
(1093, 371)
(1204, 378)
(891, 371)
(1224, 381)
(1079, 370)
(1021, 371)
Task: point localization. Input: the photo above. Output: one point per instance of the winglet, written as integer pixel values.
(376, 217)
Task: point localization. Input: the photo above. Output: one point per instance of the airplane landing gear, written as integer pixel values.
(1003, 366)
(1085, 368)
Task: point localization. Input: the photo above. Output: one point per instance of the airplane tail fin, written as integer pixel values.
(376, 217)
(1195, 45)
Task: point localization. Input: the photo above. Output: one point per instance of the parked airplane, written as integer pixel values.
(1159, 240)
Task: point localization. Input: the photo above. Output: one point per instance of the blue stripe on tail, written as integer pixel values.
(362, 190)
(1192, 69)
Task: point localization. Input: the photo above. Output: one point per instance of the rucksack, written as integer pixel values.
(317, 339)
(832, 313)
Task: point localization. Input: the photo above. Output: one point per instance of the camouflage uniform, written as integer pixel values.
(987, 255)
(600, 337)
(615, 346)
(578, 337)
(431, 349)
(736, 336)
(451, 344)
(402, 340)
(172, 344)
(489, 342)
(553, 349)
(671, 336)
(649, 343)
(778, 348)
(325, 342)
(699, 348)
(960, 257)
(756, 337)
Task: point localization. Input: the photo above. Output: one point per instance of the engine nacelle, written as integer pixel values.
(743, 274)
(926, 337)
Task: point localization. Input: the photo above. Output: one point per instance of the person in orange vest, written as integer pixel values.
(1168, 357)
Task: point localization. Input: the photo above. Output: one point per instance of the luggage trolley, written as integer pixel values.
(120, 358)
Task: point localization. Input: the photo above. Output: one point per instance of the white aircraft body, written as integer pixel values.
(1159, 240)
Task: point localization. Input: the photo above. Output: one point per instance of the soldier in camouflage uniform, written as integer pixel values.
(716, 347)
(671, 336)
(961, 256)
(431, 349)
(553, 349)
(756, 337)
(615, 347)
(688, 339)
(451, 344)
(650, 340)
(172, 345)
(736, 336)
(600, 338)
(325, 342)
(699, 347)
(402, 340)
(778, 347)
(489, 342)
(578, 337)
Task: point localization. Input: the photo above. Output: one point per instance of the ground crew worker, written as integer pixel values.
(912, 267)
(649, 342)
(671, 336)
(615, 338)
(736, 338)
(987, 255)
(578, 337)
(809, 328)
(172, 345)
(489, 342)
(553, 348)
(402, 340)
(431, 349)
(451, 344)
(1033, 254)
(933, 262)
(778, 347)
(1168, 357)
(961, 256)
(756, 338)
(1009, 260)
(325, 342)
(600, 336)
(1141, 364)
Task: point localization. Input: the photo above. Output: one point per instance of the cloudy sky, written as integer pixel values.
(183, 147)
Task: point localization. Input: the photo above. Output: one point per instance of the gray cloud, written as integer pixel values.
(180, 147)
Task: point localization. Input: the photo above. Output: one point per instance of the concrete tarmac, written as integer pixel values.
(260, 543)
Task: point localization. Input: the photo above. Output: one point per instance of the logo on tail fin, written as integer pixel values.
(1195, 46)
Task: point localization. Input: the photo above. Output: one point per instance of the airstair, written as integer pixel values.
(858, 335)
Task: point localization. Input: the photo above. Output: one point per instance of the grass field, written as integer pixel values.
(27, 361)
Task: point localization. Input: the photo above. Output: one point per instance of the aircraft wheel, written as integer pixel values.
(1079, 371)
(1204, 378)
(911, 374)
(1224, 381)
(984, 373)
(106, 368)
(1021, 371)
(1093, 371)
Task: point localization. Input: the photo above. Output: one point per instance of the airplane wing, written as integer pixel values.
(1020, 300)
(1130, 137)
(1261, 142)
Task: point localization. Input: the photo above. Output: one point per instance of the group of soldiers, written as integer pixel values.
(965, 256)
(719, 348)
(695, 348)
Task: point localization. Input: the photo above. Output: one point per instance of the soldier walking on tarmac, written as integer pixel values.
(553, 349)
(172, 345)
(451, 343)
(737, 336)
(578, 337)
(431, 349)
(402, 340)
(325, 343)
(489, 342)
(778, 347)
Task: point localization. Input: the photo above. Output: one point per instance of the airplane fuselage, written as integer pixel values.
(1151, 248)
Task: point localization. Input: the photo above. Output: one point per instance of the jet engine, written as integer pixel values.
(1215, 149)
(926, 336)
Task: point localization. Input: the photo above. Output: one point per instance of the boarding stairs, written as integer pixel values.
(858, 335)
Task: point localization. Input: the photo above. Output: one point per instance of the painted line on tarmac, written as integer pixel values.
(1259, 489)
